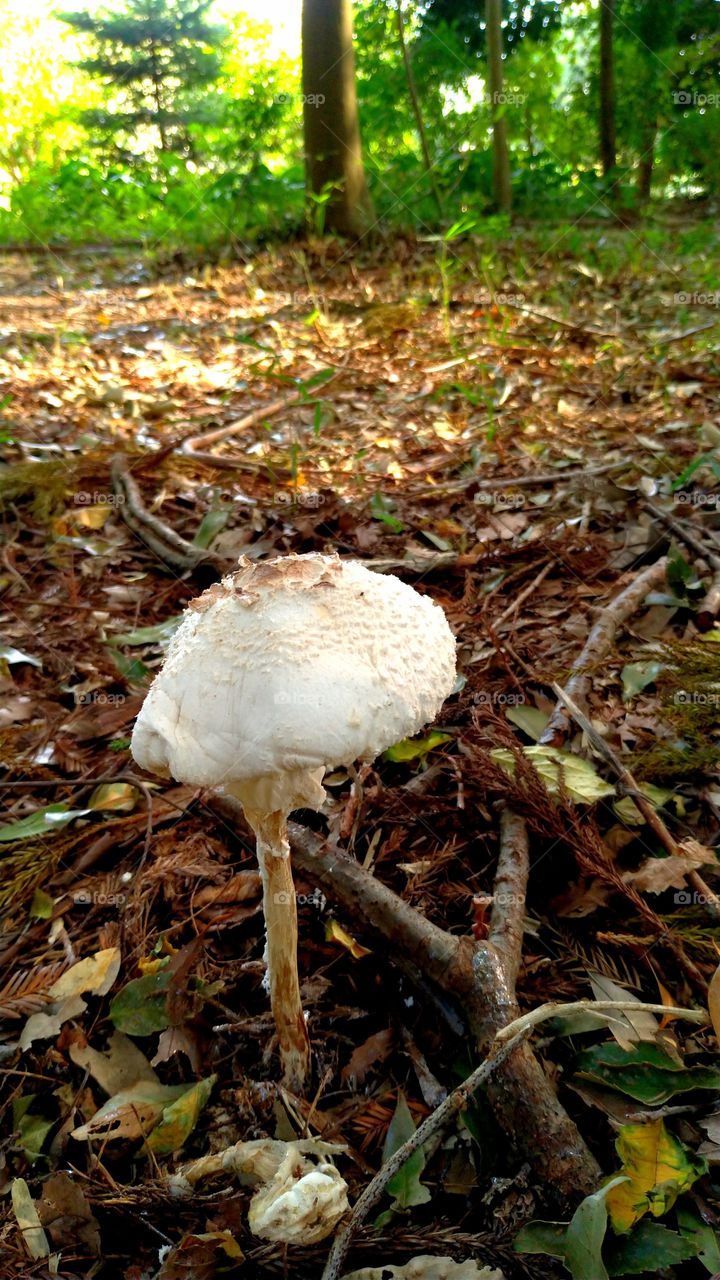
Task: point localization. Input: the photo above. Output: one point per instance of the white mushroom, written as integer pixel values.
(284, 669)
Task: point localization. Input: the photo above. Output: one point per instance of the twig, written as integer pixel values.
(598, 645)
(541, 477)
(641, 802)
(545, 1011)
(524, 595)
(680, 530)
(509, 890)
(196, 446)
(167, 545)
(564, 324)
(470, 974)
(438, 1120)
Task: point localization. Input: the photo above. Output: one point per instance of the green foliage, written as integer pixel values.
(155, 59)
(154, 123)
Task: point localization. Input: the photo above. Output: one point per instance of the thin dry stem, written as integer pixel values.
(280, 907)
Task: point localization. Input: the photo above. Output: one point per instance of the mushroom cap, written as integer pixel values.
(288, 667)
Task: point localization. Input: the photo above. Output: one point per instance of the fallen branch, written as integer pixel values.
(472, 975)
(509, 892)
(529, 481)
(642, 804)
(164, 542)
(196, 446)
(437, 1121)
(598, 645)
(506, 1041)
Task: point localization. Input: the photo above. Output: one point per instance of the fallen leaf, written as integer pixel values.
(405, 1187)
(119, 1067)
(577, 1243)
(96, 975)
(179, 1118)
(66, 1214)
(26, 1216)
(373, 1050)
(41, 1026)
(415, 748)
(334, 932)
(658, 1168)
(428, 1267)
(644, 1071)
(627, 1027)
(656, 875)
(132, 1113)
(201, 1257)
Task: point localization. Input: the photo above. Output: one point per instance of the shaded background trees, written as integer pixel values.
(167, 114)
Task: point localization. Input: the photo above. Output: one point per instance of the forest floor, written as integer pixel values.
(518, 430)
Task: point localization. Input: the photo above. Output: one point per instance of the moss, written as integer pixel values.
(689, 697)
(42, 485)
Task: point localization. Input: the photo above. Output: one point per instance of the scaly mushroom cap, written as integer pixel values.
(288, 667)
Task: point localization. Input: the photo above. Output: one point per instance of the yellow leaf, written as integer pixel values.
(95, 974)
(714, 1002)
(658, 1168)
(120, 796)
(334, 932)
(92, 517)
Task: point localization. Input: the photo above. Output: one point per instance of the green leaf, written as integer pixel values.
(32, 1130)
(132, 669)
(704, 1240)
(579, 777)
(413, 748)
(644, 1072)
(380, 510)
(160, 634)
(649, 1247)
(141, 1008)
(212, 523)
(579, 1243)
(585, 1235)
(542, 1237)
(636, 676)
(405, 1186)
(179, 1118)
(43, 822)
(531, 720)
(41, 907)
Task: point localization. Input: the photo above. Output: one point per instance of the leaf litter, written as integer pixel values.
(517, 481)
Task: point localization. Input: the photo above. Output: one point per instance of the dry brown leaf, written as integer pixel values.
(67, 1216)
(244, 885)
(375, 1049)
(119, 1067)
(656, 875)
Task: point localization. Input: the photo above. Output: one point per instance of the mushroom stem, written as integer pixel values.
(280, 907)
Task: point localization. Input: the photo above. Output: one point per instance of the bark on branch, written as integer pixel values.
(598, 645)
(472, 975)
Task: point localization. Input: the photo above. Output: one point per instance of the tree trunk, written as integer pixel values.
(647, 160)
(608, 156)
(333, 154)
(501, 154)
(415, 101)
